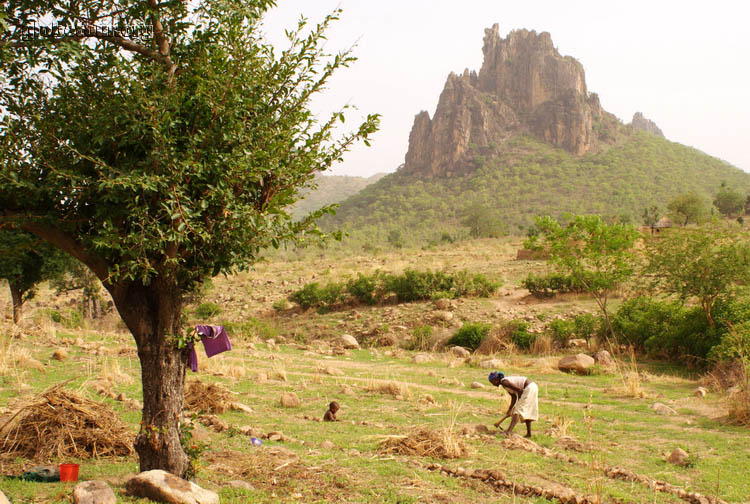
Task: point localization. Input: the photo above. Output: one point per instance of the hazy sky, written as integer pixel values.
(684, 64)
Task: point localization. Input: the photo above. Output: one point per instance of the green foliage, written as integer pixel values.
(581, 326)
(55, 316)
(482, 222)
(521, 336)
(734, 345)
(651, 215)
(687, 208)
(596, 255)
(646, 323)
(586, 325)
(251, 328)
(709, 263)
(192, 447)
(470, 335)
(548, 286)
(207, 310)
(729, 202)
(562, 330)
(409, 286)
(421, 339)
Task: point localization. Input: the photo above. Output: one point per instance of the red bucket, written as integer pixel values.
(68, 472)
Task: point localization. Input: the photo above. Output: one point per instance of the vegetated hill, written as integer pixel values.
(530, 177)
(331, 189)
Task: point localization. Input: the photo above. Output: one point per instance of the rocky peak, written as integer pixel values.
(641, 123)
(523, 86)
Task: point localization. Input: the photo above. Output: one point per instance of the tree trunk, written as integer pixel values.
(152, 313)
(16, 295)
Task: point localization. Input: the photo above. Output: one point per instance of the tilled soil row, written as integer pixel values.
(500, 482)
(614, 472)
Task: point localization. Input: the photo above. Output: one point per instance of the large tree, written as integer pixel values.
(25, 261)
(160, 154)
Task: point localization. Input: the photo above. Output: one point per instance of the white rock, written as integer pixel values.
(663, 409)
(460, 352)
(238, 406)
(577, 363)
(162, 486)
(348, 341)
(93, 492)
(243, 485)
(476, 385)
(491, 364)
(604, 358)
(421, 358)
(700, 392)
(445, 316)
(577, 343)
(3, 498)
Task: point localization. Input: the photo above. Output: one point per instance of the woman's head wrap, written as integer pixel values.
(496, 376)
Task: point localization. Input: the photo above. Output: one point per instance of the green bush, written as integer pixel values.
(308, 296)
(647, 323)
(549, 285)
(586, 325)
(521, 336)
(55, 316)
(562, 330)
(364, 288)
(207, 310)
(470, 335)
(422, 339)
(251, 328)
(415, 285)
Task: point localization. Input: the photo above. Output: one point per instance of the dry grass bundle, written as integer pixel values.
(496, 342)
(396, 389)
(207, 397)
(424, 442)
(64, 425)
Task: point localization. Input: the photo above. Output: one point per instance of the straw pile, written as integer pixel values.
(423, 442)
(64, 425)
(207, 397)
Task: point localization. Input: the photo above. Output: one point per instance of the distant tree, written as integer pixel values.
(80, 278)
(706, 264)
(161, 158)
(395, 238)
(597, 255)
(26, 261)
(688, 208)
(651, 215)
(728, 201)
(482, 222)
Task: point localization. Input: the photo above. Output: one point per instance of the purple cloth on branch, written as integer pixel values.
(193, 358)
(214, 338)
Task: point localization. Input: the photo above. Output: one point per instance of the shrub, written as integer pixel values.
(643, 322)
(207, 310)
(470, 335)
(562, 330)
(308, 296)
(415, 285)
(422, 339)
(364, 288)
(586, 325)
(55, 316)
(521, 336)
(552, 284)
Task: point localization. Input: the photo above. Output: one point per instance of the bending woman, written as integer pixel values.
(524, 402)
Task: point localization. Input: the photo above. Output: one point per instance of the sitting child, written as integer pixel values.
(330, 415)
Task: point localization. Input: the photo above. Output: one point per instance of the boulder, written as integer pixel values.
(161, 486)
(93, 492)
(491, 364)
(242, 485)
(700, 392)
(578, 363)
(421, 358)
(604, 358)
(290, 400)
(3, 498)
(476, 385)
(442, 304)
(679, 457)
(663, 409)
(60, 354)
(445, 316)
(348, 341)
(460, 352)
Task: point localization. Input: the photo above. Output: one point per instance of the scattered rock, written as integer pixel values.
(348, 341)
(576, 363)
(481, 429)
(332, 371)
(663, 409)
(491, 364)
(578, 343)
(442, 304)
(290, 400)
(604, 358)
(60, 354)
(460, 352)
(347, 390)
(445, 316)
(93, 492)
(476, 385)
(386, 340)
(679, 457)
(327, 445)
(237, 406)
(700, 392)
(162, 486)
(421, 358)
(121, 397)
(242, 485)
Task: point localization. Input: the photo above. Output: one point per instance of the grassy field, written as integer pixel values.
(588, 424)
